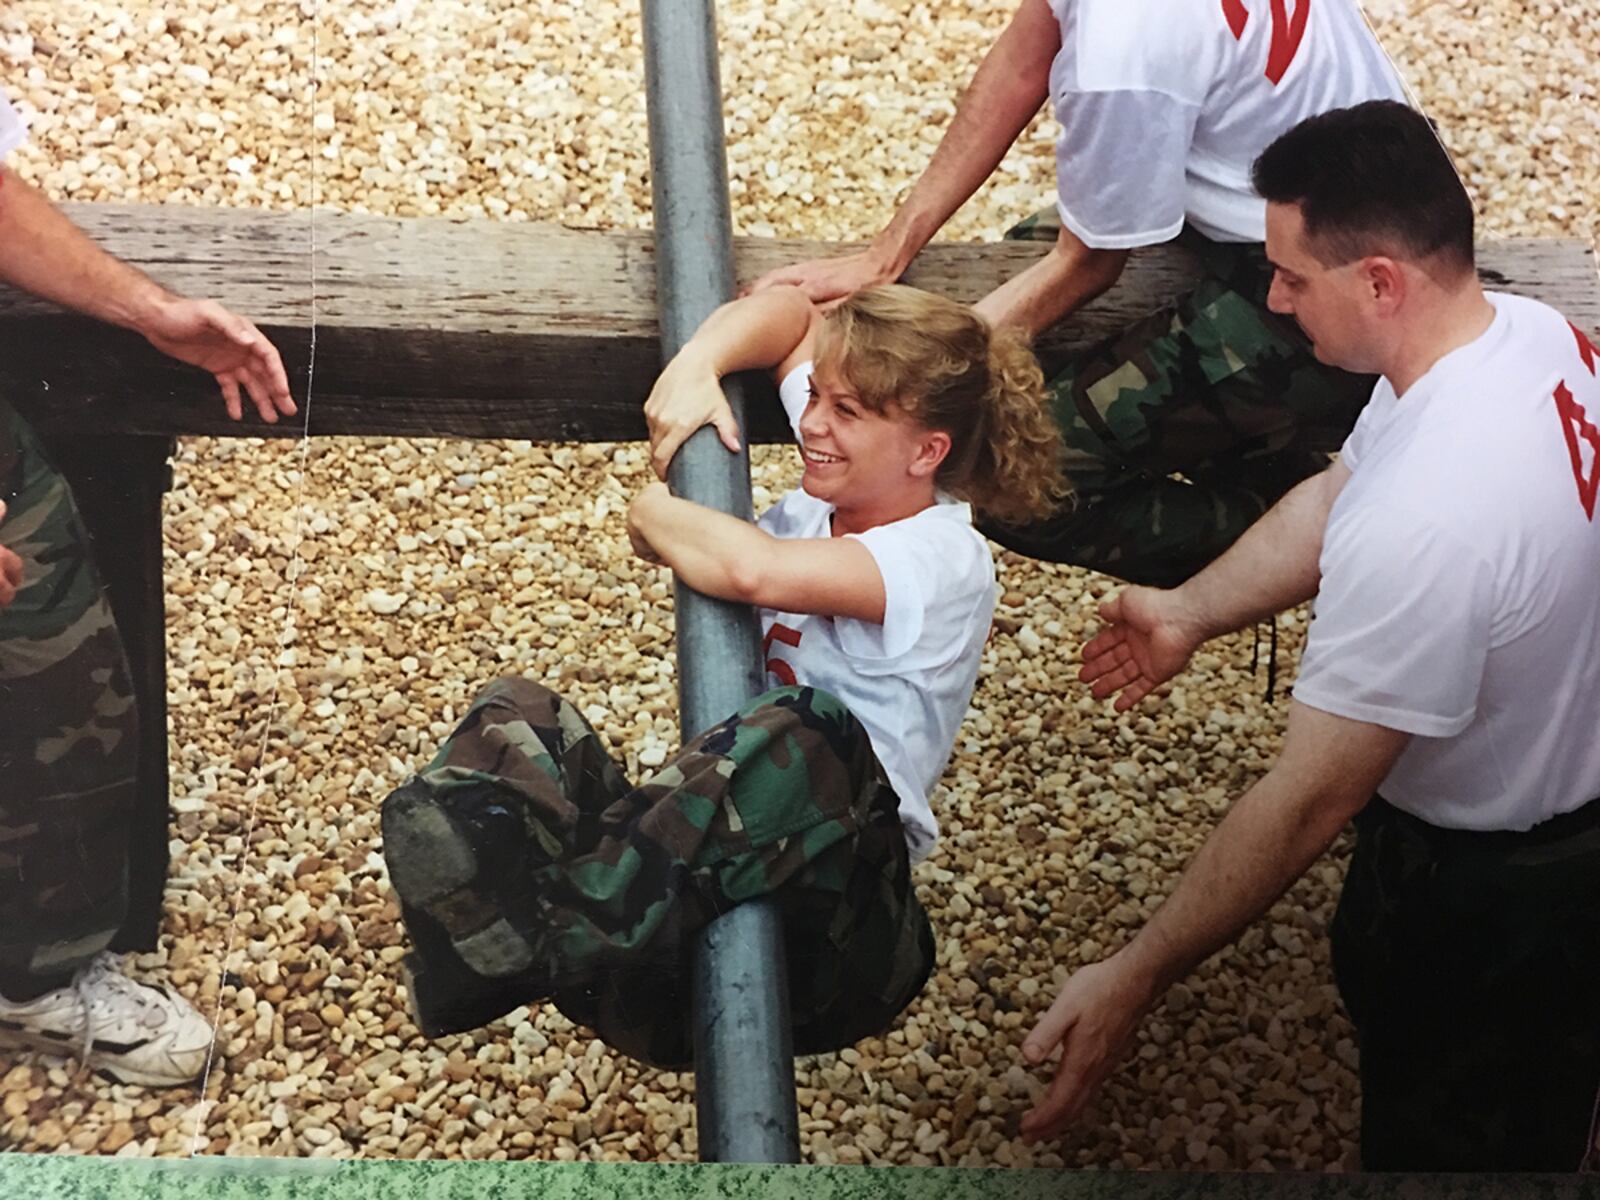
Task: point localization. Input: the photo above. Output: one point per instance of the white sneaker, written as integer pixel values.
(135, 1032)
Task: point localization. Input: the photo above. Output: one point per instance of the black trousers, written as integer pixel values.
(1470, 965)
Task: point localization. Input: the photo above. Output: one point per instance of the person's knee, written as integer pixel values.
(527, 699)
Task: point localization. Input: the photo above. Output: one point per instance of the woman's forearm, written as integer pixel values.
(750, 333)
(714, 553)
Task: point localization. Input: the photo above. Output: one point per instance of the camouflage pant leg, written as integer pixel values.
(1467, 962)
(608, 885)
(1179, 432)
(68, 730)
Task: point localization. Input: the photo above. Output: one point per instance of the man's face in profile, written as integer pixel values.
(1331, 303)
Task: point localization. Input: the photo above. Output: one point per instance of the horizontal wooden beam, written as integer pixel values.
(435, 328)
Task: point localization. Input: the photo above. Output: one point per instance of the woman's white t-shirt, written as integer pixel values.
(909, 680)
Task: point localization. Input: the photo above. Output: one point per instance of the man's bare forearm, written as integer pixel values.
(44, 253)
(1273, 566)
(1006, 91)
(1263, 845)
(1274, 832)
(1055, 287)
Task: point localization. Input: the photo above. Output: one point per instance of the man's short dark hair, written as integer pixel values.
(1371, 179)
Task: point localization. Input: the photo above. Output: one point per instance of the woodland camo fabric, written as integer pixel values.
(1182, 430)
(606, 885)
(68, 730)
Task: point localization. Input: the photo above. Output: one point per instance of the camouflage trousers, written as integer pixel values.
(1181, 431)
(527, 868)
(68, 731)
(1468, 964)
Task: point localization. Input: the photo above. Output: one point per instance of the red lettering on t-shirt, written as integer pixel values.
(1575, 425)
(1238, 16)
(776, 666)
(1586, 350)
(1287, 32)
(1287, 35)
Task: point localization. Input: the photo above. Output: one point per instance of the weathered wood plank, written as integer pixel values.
(487, 329)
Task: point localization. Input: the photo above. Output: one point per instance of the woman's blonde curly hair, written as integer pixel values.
(901, 348)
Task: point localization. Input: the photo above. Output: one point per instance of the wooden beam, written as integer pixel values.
(431, 328)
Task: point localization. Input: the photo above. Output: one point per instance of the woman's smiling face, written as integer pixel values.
(856, 458)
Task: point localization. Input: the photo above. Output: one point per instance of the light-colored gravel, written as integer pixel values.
(306, 682)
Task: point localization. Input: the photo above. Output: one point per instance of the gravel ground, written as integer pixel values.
(333, 606)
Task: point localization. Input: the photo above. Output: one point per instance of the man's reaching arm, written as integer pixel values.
(44, 253)
(1056, 286)
(1329, 769)
(1006, 91)
(1151, 633)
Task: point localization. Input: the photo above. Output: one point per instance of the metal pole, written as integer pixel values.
(744, 1059)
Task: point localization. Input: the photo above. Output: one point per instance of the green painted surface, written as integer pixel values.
(42, 1177)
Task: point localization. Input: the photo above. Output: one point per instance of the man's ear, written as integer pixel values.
(932, 449)
(1386, 283)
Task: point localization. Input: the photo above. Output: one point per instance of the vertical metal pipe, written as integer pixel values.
(744, 1061)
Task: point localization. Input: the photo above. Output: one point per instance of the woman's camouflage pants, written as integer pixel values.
(578, 887)
(68, 731)
(1470, 964)
(1181, 431)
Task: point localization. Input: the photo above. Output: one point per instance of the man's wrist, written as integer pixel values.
(1149, 967)
(893, 249)
(1140, 981)
(1192, 612)
(142, 307)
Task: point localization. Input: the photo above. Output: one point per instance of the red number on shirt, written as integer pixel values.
(1586, 350)
(776, 666)
(1287, 31)
(1576, 427)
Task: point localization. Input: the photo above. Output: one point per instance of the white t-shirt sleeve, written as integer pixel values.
(12, 131)
(1402, 625)
(794, 391)
(1373, 414)
(935, 572)
(1120, 175)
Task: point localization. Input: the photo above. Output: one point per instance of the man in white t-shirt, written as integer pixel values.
(69, 725)
(1163, 106)
(1450, 688)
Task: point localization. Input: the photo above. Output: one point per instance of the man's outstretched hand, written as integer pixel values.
(1148, 638)
(1092, 1020)
(204, 334)
(829, 282)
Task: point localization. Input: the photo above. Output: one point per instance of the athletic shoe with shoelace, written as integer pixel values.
(135, 1032)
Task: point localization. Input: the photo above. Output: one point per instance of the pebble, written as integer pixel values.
(384, 603)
